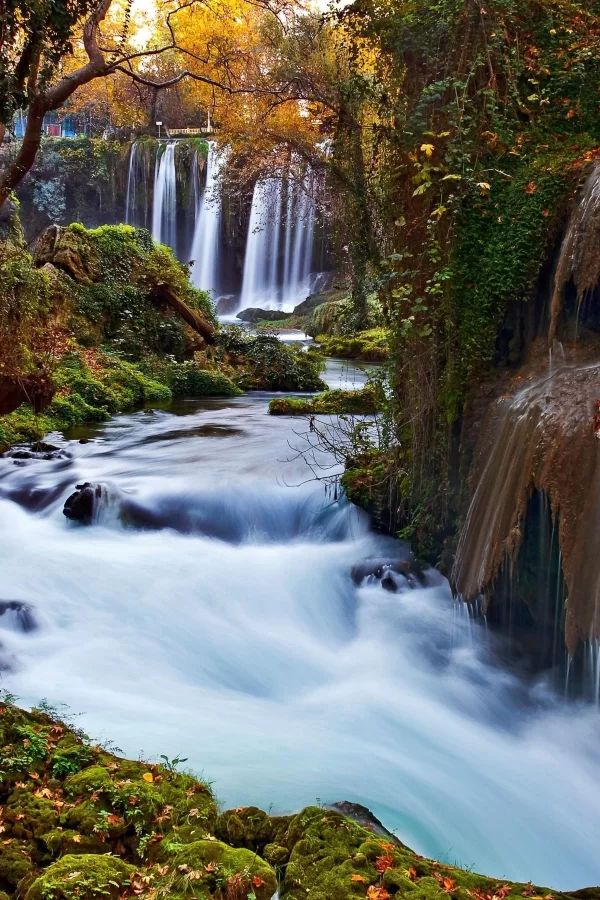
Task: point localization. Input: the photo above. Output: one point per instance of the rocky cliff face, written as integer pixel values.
(538, 448)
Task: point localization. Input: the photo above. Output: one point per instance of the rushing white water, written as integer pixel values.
(236, 637)
(276, 278)
(207, 232)
(164, 211)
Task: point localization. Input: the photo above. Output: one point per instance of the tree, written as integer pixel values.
(39, 72)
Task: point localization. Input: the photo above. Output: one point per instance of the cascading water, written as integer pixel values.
(132, 185)
(206, 241)
(268, 282)
(215, 612)
(164, 211)
(259, 283)
(138, 179)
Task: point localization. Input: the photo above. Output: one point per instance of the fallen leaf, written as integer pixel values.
(384, 862)
(211, 867)
(427, 149)
(412, 873)
(377, 893)
(449, 885)
(148, 776)
(257, 881)
(357, 878)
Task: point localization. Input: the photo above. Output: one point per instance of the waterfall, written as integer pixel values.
(259, 283)
(193, 210)
(301, 218)
(164, 213)
(132, 185)
(266, 283)
(579, 258)
(206, 243)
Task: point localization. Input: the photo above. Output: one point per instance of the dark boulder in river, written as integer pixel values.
(82, 505)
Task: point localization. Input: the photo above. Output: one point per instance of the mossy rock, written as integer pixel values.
(363, 402)
(276, 855)
(82, 877)
(248, 827)
(366, 346)
(210, 866)
(15, 864)
(28, 815)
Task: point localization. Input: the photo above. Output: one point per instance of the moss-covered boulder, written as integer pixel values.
(15, 865)
(364, 402)
(82, 877)
(261, 362)
(368, 346)
(211, 868)
(247, 826)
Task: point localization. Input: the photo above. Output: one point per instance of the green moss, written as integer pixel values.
(363, 402)
(218, 870)
(90, 387)
(335, 318)
(369, 346)
(28, 815)
(189, 379)
(262, 362)
(83, 876)
(15, 864)
(248, 827)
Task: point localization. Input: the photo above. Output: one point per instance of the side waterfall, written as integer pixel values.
(206, 241)
(269, 281)
(164, 212)
(138, 186)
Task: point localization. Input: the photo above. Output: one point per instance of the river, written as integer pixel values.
(237, 638)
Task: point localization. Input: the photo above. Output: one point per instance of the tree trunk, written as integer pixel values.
(164, 293)
(18, 169)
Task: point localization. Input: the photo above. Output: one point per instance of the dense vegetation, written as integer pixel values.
(103, 320)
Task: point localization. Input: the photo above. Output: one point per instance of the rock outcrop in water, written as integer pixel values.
(79, 823)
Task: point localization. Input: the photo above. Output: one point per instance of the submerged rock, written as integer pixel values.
(393, 575)
(20, 613)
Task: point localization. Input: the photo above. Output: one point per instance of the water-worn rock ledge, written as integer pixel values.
(79, 822)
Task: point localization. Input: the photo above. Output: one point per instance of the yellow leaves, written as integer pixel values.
(427, 149)
(77, 838)
(484, 187)
(411, 873)
(357, 878)
(148, 776)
